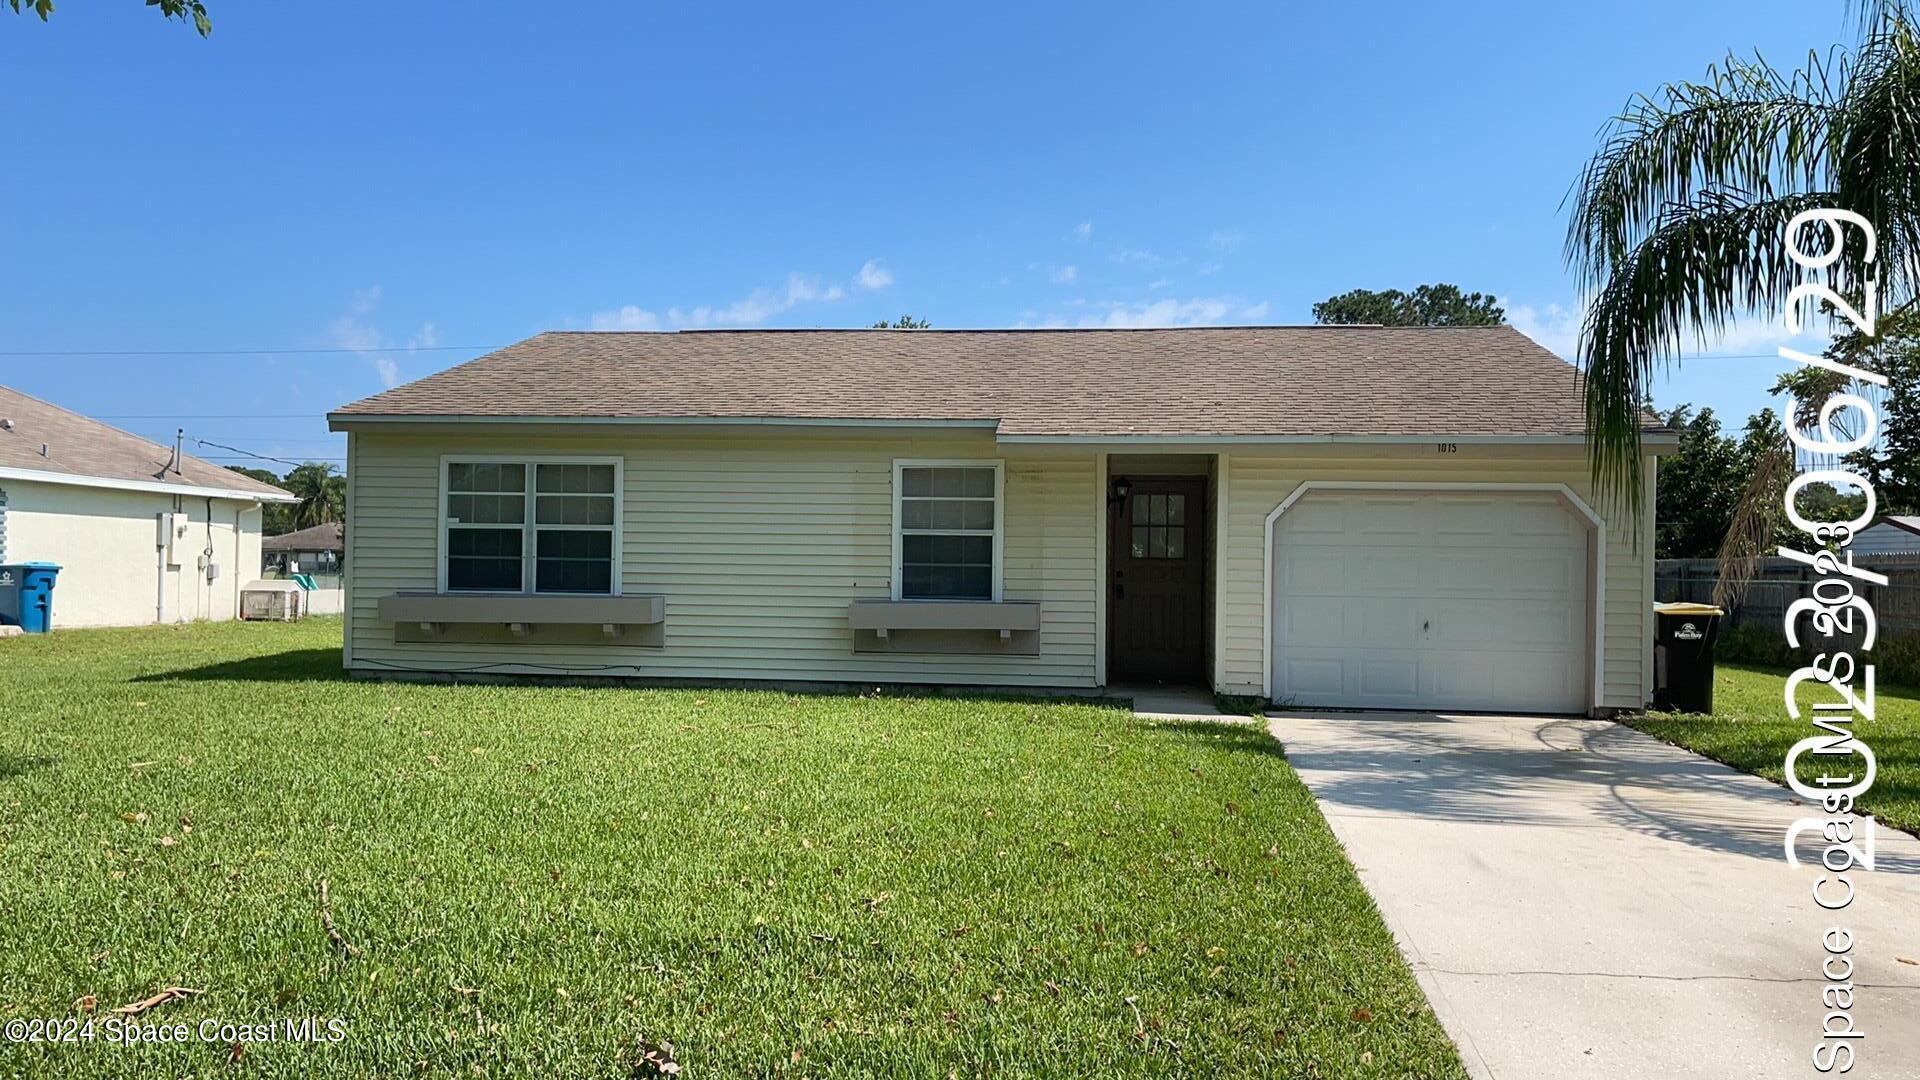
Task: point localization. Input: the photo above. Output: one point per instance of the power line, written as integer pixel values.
(333, 441)
(259, 457)
(226, 461)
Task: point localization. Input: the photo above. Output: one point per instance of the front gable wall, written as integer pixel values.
(759, 541)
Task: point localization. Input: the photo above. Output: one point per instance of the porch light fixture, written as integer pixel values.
(1117, 492)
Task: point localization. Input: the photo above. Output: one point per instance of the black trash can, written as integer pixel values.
(13, 583)
(1683, 656)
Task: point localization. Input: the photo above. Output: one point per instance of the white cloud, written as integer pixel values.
(1135, 256)
(1208, 269)
(1083, 231)
(631, 317)
(1225, 239)
(1065, 275)
(1195, 312)
(872, 275)
(1115, 314)
(1556, 327)
(1159, 283)
(428, 337)
(759, 305)
(355, 331)
(751, 310)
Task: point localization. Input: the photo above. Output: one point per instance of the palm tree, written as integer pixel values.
(322, 494)
(1678, 222)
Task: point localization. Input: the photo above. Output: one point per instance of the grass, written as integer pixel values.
(1750, 730)
(535, 878)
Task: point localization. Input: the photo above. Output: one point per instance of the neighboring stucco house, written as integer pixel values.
(1892, 534)
(140, 536)
(1342, 516)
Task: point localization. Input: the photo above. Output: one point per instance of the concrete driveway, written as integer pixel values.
(1581, 900)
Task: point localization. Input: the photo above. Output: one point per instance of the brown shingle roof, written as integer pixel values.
(331, 536)
(1226, 381)
(82, 447)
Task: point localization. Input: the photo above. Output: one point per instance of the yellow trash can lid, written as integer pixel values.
(1687, 609)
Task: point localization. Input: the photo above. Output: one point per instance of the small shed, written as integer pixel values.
(318, 550)
(1892, 534)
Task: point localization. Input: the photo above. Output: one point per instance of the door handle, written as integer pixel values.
(1119, 591)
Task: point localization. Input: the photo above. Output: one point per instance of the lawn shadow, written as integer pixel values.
(294, 665)
(12, 765)
(1226, 733)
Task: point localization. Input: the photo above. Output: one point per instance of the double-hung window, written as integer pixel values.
(947, 540)
(531, 525)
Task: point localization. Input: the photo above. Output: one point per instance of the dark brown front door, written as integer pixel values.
(1157, 562)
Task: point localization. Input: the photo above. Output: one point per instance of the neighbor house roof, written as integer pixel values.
(1284, 381)
(1904, 521)
(44, 442)
(332, 536)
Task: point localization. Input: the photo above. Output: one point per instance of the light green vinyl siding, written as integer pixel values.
(758, 543)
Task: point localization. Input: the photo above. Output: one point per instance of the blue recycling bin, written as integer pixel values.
(26, 595)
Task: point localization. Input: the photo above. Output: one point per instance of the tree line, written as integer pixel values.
(322, 491)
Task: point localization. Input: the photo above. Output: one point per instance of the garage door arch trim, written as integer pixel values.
(1595, 523)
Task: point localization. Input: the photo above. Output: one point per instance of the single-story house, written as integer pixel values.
(142, 533)
(1327, 515)
(1890, 534)
(316, 550)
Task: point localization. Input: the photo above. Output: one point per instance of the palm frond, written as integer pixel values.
(1756, 521)
(1746, 129)
(1704, 264)
(1874, 161)
(1871, 15)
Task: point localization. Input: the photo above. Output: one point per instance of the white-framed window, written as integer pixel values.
(530, 524)
(947, 518)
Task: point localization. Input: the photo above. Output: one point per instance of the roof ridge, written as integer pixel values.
(1009, 329)
(143, 441)
(83, 416)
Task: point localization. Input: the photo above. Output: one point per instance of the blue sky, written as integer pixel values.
(412, 183)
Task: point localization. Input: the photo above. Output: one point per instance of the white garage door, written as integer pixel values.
(1409, 600)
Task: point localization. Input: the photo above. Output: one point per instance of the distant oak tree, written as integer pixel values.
(1429, 305)
(172, 9)
(904, 322)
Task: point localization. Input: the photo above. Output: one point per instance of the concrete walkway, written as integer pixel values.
(1581, 900)
(1163, 701)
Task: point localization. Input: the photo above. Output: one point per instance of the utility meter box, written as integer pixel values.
(172, 535)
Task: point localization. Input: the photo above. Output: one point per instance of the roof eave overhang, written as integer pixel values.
(1654, 442)
(1651, 442)
(156, 487)
(352, 421)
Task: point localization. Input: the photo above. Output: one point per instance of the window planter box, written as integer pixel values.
(507, 618)
(945, 626)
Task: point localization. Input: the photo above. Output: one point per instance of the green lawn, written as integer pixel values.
(1750, 731)
(535, 878)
